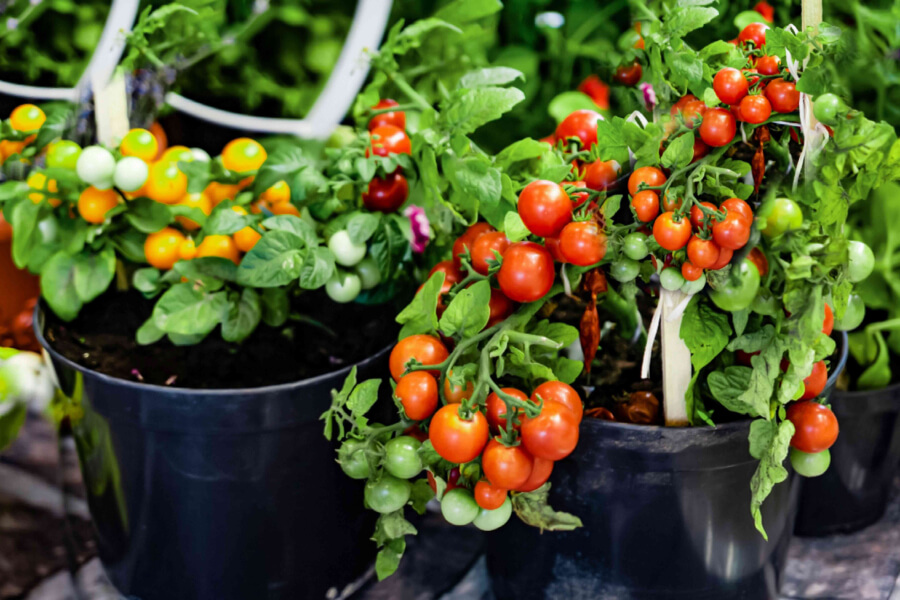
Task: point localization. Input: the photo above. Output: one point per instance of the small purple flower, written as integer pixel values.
(421, 230)
(649, 96)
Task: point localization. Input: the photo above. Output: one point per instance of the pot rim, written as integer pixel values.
(38, 326)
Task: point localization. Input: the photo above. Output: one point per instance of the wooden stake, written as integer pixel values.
(812, 13)
(676, 359)
(111, 109)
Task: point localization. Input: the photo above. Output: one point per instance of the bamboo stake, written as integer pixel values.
(110, 108)
(676, 359)
(811, 17)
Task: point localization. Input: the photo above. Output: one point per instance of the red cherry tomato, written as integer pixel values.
(601, 174)
(553, 434)
(828, 323)
(755, 109)
(544, 207)
(718, 127)
(759, 259)
(815, 426)
(501, 307)
(693, 110)
(418, 393)
(629, 74)
(681, 103)
(698, 219)
(397, 118)
(732, 232)
(562, 393)
(700, 150)
(768, 65)
(596, 89)
(552, 246)
(725, 255)
(506, 467)
(427, 349)
(484, 247)
(578, 198)
(671, 234)
(650, 176)
(736, 205)
(386, 195)
(671, 203)
(527, 272)
(783, 96)
(755, 33)
(646, 205)
(465, 241)
(495, 407)
(704, 254)
(815, 383)
(582, 243)
(388, 139)
(691, 272)
(581, 124)
(752, 76)
(458, 440)
(489, 497)
(540, 473)
(730, 85)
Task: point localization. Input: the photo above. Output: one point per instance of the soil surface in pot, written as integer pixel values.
(102, 338)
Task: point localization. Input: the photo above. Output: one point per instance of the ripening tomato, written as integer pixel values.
(93, 204)
(646, 205)
(386, 194)
(544, 207)
(467, 239)
(766, 10)
(426, 349)
(527, 272)
(277, 193)
(755, 33)
(456, 439)
(562, 393)
(388, 139)
(768, 65)
(752, 76)
(418, 393)
(540, 473)
(650, 176)
(577, 198)
(783, 96)
(581, 124)
(553, 434)
(755, 109)
(671, 203)
(718, 127)
(495, 408)
(698, 219)
(488, 247)
(759, 259)
(245, 239)
(140, 143)
(500, 306)
(242, 155)
(828, 323)
(691, 272)
(165, 183)
(507, 467)
(200, 201)
(732, 232)
(27, 117)
(489, 497)
(736, 205)
(681, 103)
(670, 233)
(596, 89)
(601, 174)
(702, 253)
(187, 250)
(629, 74)
(552, 246)
(451, 272)
(161, 249)
(693, 110)
(221, 246)
(815, 426)
(730, 85)
(454, 394)
(397, 118)
(582, 243)
(815, 383)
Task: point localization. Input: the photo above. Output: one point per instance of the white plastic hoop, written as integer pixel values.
(101, 66)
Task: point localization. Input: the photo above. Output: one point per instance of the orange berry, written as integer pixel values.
(27, 117)
(162, 140)
(218, 192)
(278, 193)
(243, 155)
(163, 248)
(219, 245)
(285, 208)
(165, 183)
(198, 200)
(246, 238)
(93, 204)
(187, 250)
(140, 143)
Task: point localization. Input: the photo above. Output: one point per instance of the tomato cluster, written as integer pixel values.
(388, 136)
(25, 119)
(815, 427)
(461, 432)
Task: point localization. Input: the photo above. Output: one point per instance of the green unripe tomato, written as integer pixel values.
(459, 507)
(694, 287)
(671, 279)
(352, 458)
(387, 494)
(346, 252)
(369, 273)
(341, 136)
(63, 155)
(862, 261)
(489, 520)
(624, 269)
(737, 295)
(828, 107)
(778, 215)
(810, 465)
(635, 246)
(343, 287)
(131, 173)
(401, 457)
(96, 166)
(853, 315)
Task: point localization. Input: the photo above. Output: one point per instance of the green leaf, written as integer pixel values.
(705, 331)
(148, 216)
(363, 397)
(730, 388)
(293, 224)
(183, 310)
(318, 267)
(362, 226)
(94, 273)
(687, 19)
(686, 65)
(490, 76)
(147, 280)
(525, 149)
(58, 286)
(514, 228)
(277, 259)
(24, 220)
(281, 165)
(466, 11)
(477, 107)
(243, 317)
(771, 445)
(564, 104)
(680, 152)
(275, 306)
(475, 177)
(149, 333)
(214, 267)
(534, 509)
(469, 312)
(225, 221)
(420, 315)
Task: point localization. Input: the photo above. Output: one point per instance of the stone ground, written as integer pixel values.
(47, 550)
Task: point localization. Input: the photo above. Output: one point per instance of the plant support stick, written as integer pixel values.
(676, 359)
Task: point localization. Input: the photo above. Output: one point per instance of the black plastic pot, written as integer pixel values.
(666, 514)
(217, 494)
(853, 493)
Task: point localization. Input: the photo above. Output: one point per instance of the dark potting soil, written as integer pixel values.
(102, 338)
